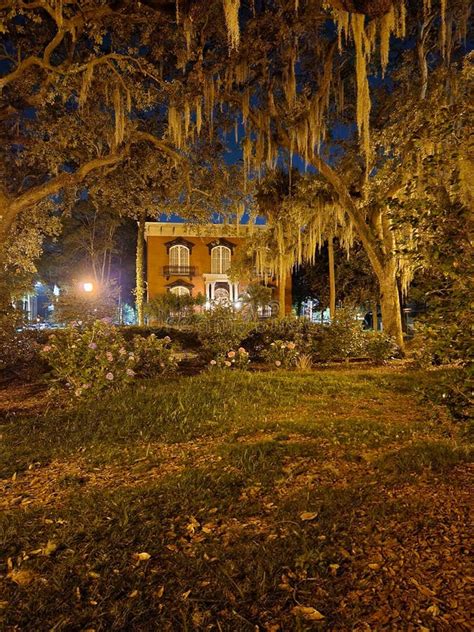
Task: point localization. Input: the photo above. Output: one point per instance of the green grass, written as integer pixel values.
(213, 476)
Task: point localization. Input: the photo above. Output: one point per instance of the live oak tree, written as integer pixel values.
(292, 70)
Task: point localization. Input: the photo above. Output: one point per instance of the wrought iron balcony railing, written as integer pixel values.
(188, 271)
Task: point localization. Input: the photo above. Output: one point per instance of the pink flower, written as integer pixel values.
(109, 356)
(231, 354)
(242, 350)
(46, 348)
(291, 345)
(213, 362)
(92, 345)
(227, 363)
(109, 376)
(130, 372)
(123, 351)
(277, 363)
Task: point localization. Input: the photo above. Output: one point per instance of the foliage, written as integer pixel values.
(255, 298)
(454, 391)
(343, 338)
(76, 305)
(219, 330)
(153, 355)
(282, 354)
(171, 308)
(238, 359)
(378, 346)
(355, 280)
(18, 348)
(90, 359)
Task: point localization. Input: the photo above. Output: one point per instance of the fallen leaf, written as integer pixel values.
(433, 610)
(141, 557)
(133, 594)
(307, 613)
(374, 567)
(159, 591)
(20, 576)
(50, 548)
(308, 515)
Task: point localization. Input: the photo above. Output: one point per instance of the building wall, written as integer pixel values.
(200, 258)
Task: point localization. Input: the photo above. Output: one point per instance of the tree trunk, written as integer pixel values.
(332, 279)
(375, 317)
(281, 296)
(140, 283)
(390, 304)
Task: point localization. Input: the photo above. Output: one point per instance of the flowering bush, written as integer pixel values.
(97, 357)
(281, 354)
(238, 359)
(89, 360)
(153, 355)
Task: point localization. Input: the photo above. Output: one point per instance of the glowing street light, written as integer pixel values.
(88, 287)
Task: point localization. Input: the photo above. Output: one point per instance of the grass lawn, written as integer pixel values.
(328, 500)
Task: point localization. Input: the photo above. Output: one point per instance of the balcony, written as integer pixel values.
(182, 271)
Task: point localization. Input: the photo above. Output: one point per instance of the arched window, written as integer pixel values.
(180, 290)
(179, 257)
(220, 259)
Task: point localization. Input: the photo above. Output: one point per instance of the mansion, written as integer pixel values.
(194, 259)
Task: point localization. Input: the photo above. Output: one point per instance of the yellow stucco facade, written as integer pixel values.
(193, 258)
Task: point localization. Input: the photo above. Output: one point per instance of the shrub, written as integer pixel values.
(153, 355)
(304, 333)
(455, 391)
(171, 308)
(89, 360)
(19, 351)
(343, 338)
(219, 330)
(232, 359)
(442, 343)
(281, 354)
(378, 346)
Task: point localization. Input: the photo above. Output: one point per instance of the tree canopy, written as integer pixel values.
(89, 86)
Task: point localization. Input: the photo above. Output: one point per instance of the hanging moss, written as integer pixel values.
(231, 13)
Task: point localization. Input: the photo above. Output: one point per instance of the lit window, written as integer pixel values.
(179, 256)
(220, 259)
(180, 290)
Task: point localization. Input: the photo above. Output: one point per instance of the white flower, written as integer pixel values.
(213, 362)
(109, 376)
(242, 350)
(277, 363)
(231, 354)
(227, 363)
(130, 372)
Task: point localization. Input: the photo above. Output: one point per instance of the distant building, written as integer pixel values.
(195, 258)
